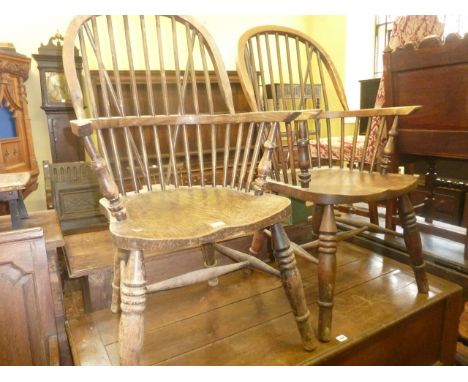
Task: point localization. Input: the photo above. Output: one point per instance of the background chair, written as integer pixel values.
(279, 69)
(284, 69)
(174, 173)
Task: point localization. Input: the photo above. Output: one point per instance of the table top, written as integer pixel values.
(46, 219)
(14, 181)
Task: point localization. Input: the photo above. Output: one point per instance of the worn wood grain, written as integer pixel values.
(373, 295)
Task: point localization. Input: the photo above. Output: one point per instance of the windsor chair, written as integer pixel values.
(173, 173)
(325, 173)
(284, 69)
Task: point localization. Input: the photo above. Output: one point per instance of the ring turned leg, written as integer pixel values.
(209, 255)
(413, 242)
(326, 272)
(317, 219)
(133, 306)
(292, 284)
(120, 259)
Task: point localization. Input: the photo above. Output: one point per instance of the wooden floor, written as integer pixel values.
(246, 320)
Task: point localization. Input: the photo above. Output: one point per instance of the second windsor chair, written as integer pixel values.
(324, 162)
(164, 190)
(282, 68)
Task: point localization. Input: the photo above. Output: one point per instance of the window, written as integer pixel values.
(383, 30)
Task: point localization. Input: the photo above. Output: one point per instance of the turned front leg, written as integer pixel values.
(292, 284)
(413, 242)
(120, 259)
(133, 295)
(326, 272)
(209, 256)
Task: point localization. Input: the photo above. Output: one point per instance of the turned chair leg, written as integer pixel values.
(326, 272)
(258, 241)
(209, 255)
(120, 259)
(317, 219)
(133, 295)
(413, 242)
(292, 284)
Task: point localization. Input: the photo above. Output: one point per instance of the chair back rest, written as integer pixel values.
(27, 321)
(157, 66)
(284, 69)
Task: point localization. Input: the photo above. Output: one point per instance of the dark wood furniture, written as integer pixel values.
(214, 200)
(380, 319)
(328, 176)
(56, 103)
(29, 334)
(11, 191)
(54, 241)
(435, 75)
(16, 145)
(72, 189)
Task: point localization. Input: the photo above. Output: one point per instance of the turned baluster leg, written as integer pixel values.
(133, 306)
(120, 259)
(258, 241)
(209, 255)
(326, 272)
(413, 242)
(317, 219)
(292, 284)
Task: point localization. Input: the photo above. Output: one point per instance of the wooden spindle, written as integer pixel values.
(262, 73)
(382, 127)
(290, 74)
(115, 150)
(210, 109)
(240, 132)
(150, 95)
(270, 72)
(353, 148)
(292, 164)
(248, 143)
(389, 149)
(136, 104)
(366, 143)
(180, 92)
(342, 141)
(255, 154)
(303, 155)
(280, 71)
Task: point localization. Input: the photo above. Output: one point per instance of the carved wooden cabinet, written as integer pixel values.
(16, 145)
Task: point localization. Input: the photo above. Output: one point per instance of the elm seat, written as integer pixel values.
(336, 185)
(203, 215)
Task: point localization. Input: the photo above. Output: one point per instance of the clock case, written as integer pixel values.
(65, 147)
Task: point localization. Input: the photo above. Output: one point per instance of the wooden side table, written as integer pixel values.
(48, 220)
(11, 187)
